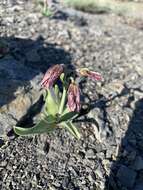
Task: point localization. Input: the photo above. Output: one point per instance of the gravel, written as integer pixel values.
(109, 154)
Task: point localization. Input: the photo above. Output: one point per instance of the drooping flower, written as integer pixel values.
(52, 74)
(73, 97)
(91, 74)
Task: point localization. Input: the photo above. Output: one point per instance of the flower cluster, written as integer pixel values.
(62, 105)
(73, 90)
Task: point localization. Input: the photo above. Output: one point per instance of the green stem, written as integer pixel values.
(45, 5)
(72, 129)
(62, 101)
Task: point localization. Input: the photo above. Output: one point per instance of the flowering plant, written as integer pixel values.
(62, 100)
(45, 6)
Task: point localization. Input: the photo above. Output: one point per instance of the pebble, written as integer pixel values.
(90, 154)
(98, 173)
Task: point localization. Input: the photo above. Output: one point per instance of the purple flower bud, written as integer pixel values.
(52, 74)
(91, 74)
(74, 97)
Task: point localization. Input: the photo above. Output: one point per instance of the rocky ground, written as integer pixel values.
(109, 155)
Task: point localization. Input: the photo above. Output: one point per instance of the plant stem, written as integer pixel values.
(45, 5)
(62, 101)
(72, 129)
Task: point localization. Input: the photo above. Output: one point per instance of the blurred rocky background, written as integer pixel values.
(109, 155)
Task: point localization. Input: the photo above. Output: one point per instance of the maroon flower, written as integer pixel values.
(73, 97)
(91, 74)
(52, 75)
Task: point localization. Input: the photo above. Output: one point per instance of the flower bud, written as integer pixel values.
(73, 97)
(91, 74)
(52, 74)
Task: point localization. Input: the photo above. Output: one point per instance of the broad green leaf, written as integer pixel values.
(62, 77)
(48, 118)
(51, 106)
(68, 116)
(66, 110)
(47, 13)
(57, 94)
(45, 94)
(42, 127)
(62, 101)
(72, 129)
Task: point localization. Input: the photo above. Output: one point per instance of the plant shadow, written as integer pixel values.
(127, 170)
(101, 103)
(25, 60)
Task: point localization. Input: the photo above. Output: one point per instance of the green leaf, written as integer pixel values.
(42, 127)
(47, 12)
(66, 110)
(45, 94)
(63, 99)
(72, 129)
(62, 77)
(48, 118)
(68, 116)
(57, 94)
(51, 107)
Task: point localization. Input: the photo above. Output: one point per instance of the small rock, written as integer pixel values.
(98, 173)
(109, 153)
(126, 176)
(115, 86)
(90, 153)
(65, 182)
(100, 155)
(3, 164)
(90, 178)
(57, 184)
